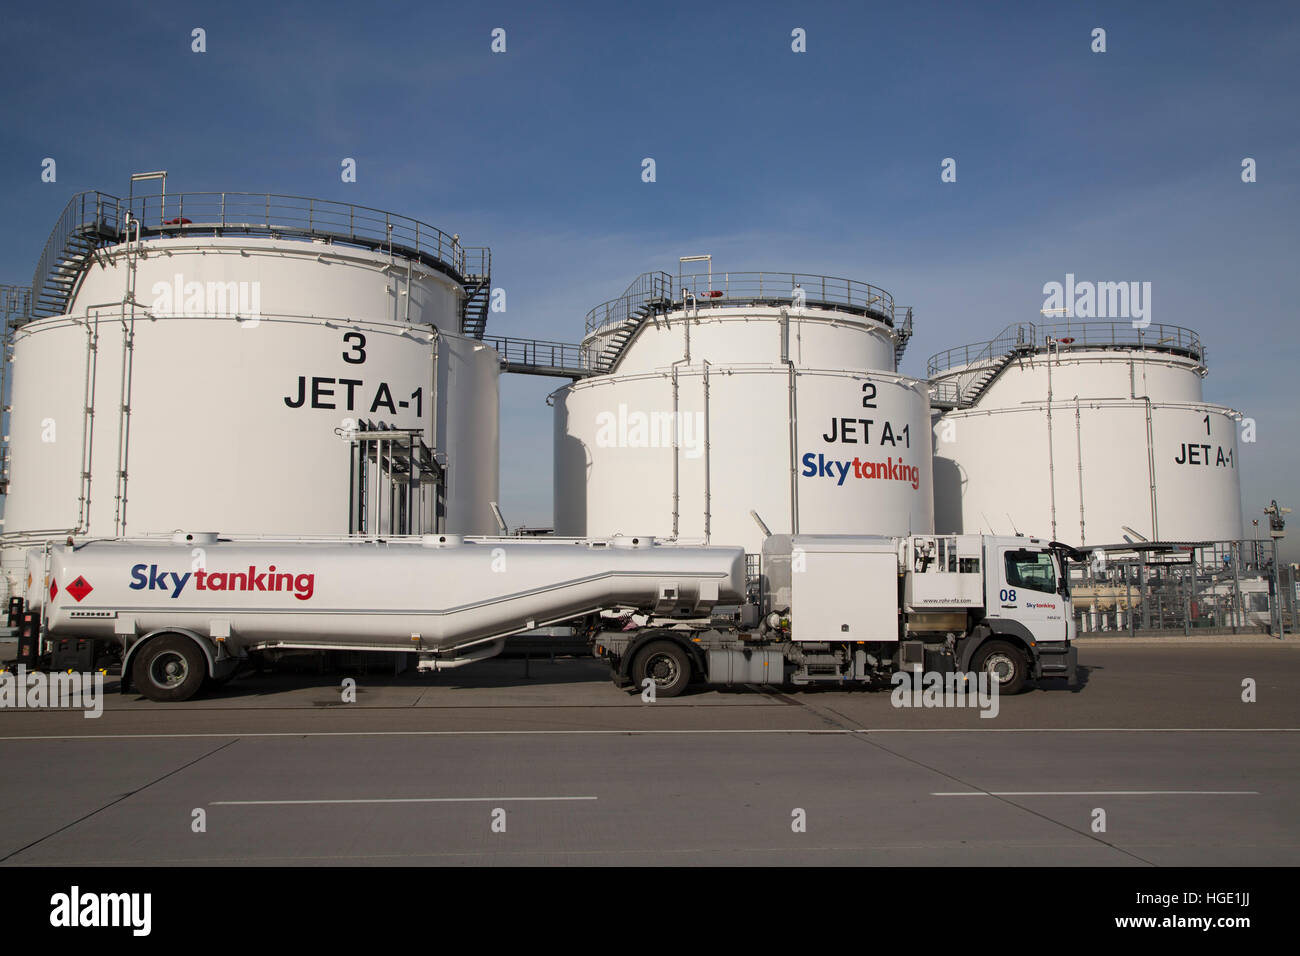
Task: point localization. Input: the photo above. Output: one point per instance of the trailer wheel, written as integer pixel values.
(1004, 663)
(664, 662)
(170, 667)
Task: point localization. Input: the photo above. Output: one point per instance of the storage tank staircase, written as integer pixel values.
(951, 395)
(622, 334)
(86, 224)
(478, 293)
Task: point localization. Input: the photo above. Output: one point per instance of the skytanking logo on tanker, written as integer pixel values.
(147, 577)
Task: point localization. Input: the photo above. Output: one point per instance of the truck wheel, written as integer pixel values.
(664, 662)
(170, 667)
(1005, 663)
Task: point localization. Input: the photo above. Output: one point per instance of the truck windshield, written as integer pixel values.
(1032, 570)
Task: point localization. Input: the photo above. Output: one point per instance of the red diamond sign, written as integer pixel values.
(79, 588)
(54, 589)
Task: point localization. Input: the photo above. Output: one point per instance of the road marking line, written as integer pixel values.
(285, 803)
(1095, 793)
(634, 733)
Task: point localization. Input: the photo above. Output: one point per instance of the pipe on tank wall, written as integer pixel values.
(441, 492)
(88, 414)
(124, 423)
(684, 360)
(1151, 451)
(407, 318)
(1078, 438)
(794, 422)
(708, 492)
(676, 486)
(128, 364)
(1051, 445)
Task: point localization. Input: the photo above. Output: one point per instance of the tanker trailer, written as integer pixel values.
(194, 606)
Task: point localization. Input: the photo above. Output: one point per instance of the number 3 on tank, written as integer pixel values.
(356, 355)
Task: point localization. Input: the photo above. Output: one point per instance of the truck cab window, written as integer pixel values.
(1032, 570)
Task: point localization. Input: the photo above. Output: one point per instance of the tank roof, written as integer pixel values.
(1029, 338)
(658, 293)
(95, 220)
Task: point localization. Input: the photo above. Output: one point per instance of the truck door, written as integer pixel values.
(1026, 578)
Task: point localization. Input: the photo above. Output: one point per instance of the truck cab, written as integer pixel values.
(1027, 584)
(844, 609)
(1027, 598)
(994, 603)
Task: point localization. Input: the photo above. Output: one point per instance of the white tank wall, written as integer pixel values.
(294, 278)
(735, 336)
(611, 478)
(212, 440)
(470, 414)
(993, 471)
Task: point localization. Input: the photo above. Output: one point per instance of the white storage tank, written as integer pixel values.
(1085, 432)
(737, 392)
(206, 360)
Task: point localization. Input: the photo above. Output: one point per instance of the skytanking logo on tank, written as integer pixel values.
(147, 577)
(217, 300)
(819, 466)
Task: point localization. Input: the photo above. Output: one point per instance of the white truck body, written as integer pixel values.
(857, 608)
(845, 608)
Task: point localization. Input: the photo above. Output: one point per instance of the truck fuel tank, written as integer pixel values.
(434, 592)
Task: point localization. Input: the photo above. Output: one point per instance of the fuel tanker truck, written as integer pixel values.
(811, 609)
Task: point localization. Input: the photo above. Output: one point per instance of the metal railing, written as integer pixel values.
(100, 218)
(729, 289)
(85, 220)
(1062, 336)
(540, 357)
(945, 395)
(647, 290)
(15, 302)
(1215, 587)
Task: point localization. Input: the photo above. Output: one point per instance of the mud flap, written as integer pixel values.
(1057, 661)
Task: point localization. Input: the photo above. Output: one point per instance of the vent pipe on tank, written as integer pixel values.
(794, 426)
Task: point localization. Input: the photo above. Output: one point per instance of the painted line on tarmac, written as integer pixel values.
(1097, 793)
(288, 803)
(638, 733)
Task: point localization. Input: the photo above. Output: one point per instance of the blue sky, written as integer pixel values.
(1117, 166)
